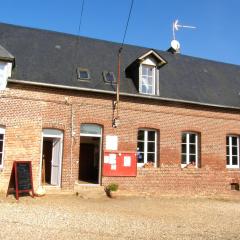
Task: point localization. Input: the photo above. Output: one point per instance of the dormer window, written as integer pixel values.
(147, 79)
(149, 65)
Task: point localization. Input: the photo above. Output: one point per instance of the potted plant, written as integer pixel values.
(110, 188)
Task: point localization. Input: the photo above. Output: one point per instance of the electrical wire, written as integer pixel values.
(75, 50)
(116, 105)
(125, 32)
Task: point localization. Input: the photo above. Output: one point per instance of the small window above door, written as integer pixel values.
(90, 129)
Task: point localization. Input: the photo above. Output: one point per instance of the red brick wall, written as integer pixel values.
(26, 110)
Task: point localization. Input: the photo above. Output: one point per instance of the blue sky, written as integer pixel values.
(217, 36)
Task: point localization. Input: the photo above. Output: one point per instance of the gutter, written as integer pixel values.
(122, 94)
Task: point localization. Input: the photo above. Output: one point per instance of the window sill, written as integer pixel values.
(232, 167)
(146, 165)
(149, 94)
(188, 165)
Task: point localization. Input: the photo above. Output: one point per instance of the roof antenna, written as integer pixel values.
(175, 45)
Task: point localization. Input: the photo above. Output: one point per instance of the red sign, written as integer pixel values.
(119, 164)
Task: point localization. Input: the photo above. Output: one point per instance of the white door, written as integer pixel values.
(56, 162)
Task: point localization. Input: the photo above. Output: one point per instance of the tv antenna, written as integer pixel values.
(175, 27)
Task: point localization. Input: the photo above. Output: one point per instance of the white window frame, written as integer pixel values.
(188, 149)
(230, 165)
(153, 78)
(2, 131)
(145, 149)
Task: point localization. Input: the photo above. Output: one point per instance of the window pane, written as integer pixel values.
(184, 148)
(84, 74)
(1, 146)
(227, 139)
(150, 71)
(234, 141)
(150, 90)
(234, 150)
(151, 147)
(90, 129)
(184, 138)
(234, 160)
(227, 150)
(141, 135)
(192, 159)
(144, 70)
(140, 146)
(192, 138)
(192, 149)
(110, 77)
(1, 136)
(151, 135)
(144, 89)
(150, 157)
(140, 157)
(144, 80)
(184, 159)
(228, 162)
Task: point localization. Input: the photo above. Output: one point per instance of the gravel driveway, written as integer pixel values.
(72, 217)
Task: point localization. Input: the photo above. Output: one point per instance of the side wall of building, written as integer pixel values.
(26, 110)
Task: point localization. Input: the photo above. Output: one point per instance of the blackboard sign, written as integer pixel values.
(23, 177)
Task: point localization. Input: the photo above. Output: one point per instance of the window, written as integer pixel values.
(147, 79)
(90, 129)
(232, 151)
(83, 74)
(146, 147)
(190, 149)
(2, 136)
(109, 77)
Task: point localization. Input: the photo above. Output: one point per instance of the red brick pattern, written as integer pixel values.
(26, 110)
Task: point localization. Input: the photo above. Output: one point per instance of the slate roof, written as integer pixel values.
(48, 57)
(5, 55)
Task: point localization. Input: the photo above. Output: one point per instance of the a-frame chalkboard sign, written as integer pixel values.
(22, 177)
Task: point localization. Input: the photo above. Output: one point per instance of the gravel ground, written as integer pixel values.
(132, 217)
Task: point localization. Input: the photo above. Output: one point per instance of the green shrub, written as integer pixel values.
(111, 187)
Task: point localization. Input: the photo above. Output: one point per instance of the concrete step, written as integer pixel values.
(89, 190)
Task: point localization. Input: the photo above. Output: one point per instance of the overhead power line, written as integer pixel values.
(75, 49)
(116, 102)
(125, 32)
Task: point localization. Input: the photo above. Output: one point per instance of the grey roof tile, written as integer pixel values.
(50, 57)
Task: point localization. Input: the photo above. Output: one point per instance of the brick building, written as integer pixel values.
(179, 114)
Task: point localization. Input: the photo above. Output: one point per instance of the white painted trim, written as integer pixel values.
(153, 79)
(53, 136)
(145, 147)
(154, 53)
(188, 149)
(229, 166)
(100, 153)
(90, 135)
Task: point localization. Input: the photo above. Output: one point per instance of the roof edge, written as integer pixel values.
(121, 93)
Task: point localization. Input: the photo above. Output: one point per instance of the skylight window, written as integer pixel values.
(83, 74)
(109, 77)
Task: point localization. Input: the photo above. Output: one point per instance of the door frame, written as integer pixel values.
(53, 136)
(100, 154)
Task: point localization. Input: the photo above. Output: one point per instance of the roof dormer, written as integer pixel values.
(145, 72)
(6, 65)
